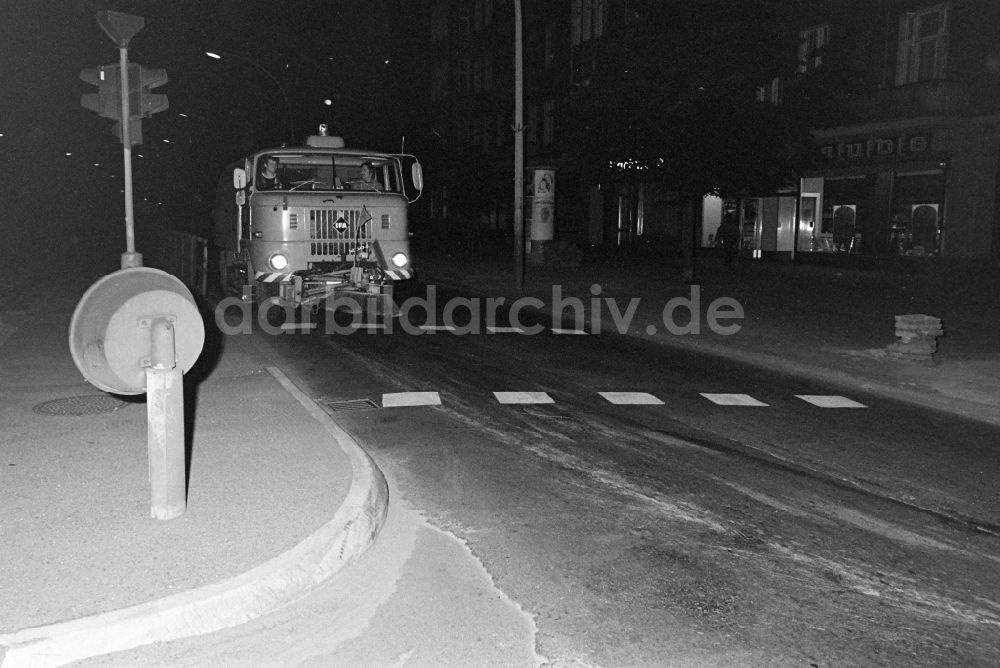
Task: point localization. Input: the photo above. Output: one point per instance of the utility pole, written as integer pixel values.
(518, 151)
(121, 28)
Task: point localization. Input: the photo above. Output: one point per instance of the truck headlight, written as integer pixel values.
(399, 259)
(278, 261)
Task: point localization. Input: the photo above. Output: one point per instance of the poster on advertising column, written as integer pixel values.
(543, 204)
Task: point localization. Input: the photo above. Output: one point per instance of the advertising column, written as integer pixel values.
(543, 205)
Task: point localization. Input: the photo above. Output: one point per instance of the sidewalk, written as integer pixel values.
(279, 498)
(825, 322)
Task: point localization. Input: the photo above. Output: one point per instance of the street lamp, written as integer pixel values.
(218, 55)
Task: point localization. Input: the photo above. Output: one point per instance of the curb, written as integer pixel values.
(274, 584)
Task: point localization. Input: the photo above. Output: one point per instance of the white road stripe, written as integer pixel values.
(438, 328)
(523, 398)
(396, 399)
(367, 325)
(732, 399)
(830, 401)
(504, 330)
(628, 398)
(568, 331)
(298, 325)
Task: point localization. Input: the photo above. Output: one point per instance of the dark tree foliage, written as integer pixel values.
(673, 98)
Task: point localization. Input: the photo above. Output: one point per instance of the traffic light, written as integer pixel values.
(150, 103)
(106, 101)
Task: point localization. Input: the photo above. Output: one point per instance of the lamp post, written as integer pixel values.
(518, 150)
(218, 55)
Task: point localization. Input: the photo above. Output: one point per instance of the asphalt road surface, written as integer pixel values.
(622, 503)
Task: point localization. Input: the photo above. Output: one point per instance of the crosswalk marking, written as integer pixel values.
(732, 399)
(830, 401)
(523, 398)
(630, 398)
(556, 330)
(618, 398)
(504, 330)
(397, 399)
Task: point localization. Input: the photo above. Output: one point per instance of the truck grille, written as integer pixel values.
(333, 232)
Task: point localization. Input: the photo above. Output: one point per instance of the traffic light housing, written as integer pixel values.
(150, 103)
(107, 100)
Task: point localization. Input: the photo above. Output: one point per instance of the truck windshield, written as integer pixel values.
(303, 171)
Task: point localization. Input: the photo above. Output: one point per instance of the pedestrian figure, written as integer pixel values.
(729, 236)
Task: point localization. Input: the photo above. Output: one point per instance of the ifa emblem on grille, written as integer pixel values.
(340, 225)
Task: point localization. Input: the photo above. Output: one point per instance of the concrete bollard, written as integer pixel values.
(165, 425)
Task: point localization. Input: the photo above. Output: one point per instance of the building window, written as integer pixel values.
(439, 82)
(548, 121)
(477, 132)
(771, 92)
(550, 45)
(439, 20)
(587, 20)
(811, 40)
(599, 17)
(477, 16)
(917, 199)
(923, 44)
(841, 228)
(488, 133)
(464, 21)
(463, 77)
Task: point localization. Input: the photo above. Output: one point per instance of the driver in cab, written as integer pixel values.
(369, 179)
(268, 178)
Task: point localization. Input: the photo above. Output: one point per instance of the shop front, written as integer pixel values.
(767, 223)
(914, 190)
(907, 189)
(881, 193)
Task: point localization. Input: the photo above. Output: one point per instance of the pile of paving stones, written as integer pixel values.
(916, 339)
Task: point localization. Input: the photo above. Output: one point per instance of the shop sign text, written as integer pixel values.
(875, 148)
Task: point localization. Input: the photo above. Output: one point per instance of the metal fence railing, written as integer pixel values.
(179, 253)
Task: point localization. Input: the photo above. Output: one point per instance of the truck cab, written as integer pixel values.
(311, 225)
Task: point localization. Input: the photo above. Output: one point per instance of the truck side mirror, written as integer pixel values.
(239, 178)
(417, 176)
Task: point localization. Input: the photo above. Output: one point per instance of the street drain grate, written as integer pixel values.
(88, 404)
(351, 405)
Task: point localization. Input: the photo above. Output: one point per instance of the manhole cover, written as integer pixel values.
(351, 405)
(90, 404)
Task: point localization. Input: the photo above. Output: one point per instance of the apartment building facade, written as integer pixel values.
(911, 171)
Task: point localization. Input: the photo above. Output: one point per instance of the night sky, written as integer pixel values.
(318, 50)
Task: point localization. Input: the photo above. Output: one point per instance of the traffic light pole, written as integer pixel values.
(129, 258)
